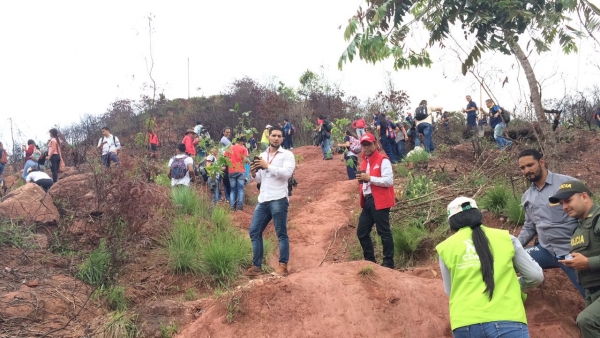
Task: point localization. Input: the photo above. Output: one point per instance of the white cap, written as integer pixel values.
(459, 205)
(268, 126)
(29, 169)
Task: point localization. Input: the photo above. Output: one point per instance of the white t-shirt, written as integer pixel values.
(186, 179)
(428, 119)
(34, 176)
(112, 143)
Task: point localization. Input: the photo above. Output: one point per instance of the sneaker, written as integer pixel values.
(254, 271)
(509, 146)
(281, 270)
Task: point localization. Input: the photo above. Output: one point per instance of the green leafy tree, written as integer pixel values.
(381, 30)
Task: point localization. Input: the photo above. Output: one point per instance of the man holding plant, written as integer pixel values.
(271, 170)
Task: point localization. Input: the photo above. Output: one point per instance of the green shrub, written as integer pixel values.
(121, 325)
(15, 234)
(417, 157)
(115, 297)
(495, 198)
(188, 202)
(183, 243)
(514, 211)
(224, 252)
(220, 217)
(406, 241)
(418, 186)
(167, 331)
(401, 170)
(163, 180)
(94, 270)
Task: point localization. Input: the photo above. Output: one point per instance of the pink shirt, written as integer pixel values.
(51, 150)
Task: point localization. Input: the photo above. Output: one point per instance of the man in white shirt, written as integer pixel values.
(39, 177)
(181, 168)
(272, 171)
(110, 146)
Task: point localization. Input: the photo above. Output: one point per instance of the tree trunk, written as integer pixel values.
(534, 88)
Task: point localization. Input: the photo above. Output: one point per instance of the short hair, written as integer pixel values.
(241, 139)
(105, 128)
(322, 117)
(198, 122)
(286, 119)
(423, 102)
(30, 142)
(489, 100)
(275, 128)
(181, 147)
(532, 152)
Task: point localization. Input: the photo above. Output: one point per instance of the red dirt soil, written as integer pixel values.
(323, 299)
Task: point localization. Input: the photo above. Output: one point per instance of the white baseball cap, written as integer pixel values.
(459, 205)
(268, 126)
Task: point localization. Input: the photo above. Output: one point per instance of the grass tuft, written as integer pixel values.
(94, 270)
(514, 211)
(183, 244)
(187, 202)
(121, 325)
(406, 242)
(115, 297)
(224, 252)
(417, 157)
(495, 199)
(366, 272)
(220, 217)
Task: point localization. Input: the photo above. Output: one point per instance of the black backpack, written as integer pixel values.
(505, 115)
(421, 113)
(328, 126)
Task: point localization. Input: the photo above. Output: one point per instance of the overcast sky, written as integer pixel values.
(63, 59)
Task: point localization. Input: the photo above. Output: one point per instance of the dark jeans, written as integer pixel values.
(504, 329)
(288, 142)
(277, 211)
(109, 158)
(237, 182)
(45, 183)
(546, 260)
(386, 144)
(401, 147)
(427, 130)
(381, 219)
(55, 162)
(226, 185)
(1, 168)
(351, 166)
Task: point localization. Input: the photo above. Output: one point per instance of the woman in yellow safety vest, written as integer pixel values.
(478, 267)
(265, 137)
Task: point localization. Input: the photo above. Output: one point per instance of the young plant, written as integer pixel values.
(366, 272)
(418, 186)
(514, 211)
(168, 331)
(495, 199)
(94, 270)
(115, 297)
(417, 157)
(121, 325)
(190, 294)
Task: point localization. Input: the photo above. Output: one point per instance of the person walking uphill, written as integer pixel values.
(238, 155)
(272, 171)
(376, 180)
(359, 125)
(548, 221)
(576, 201)
(424, 124)
(478, 269)
(498, 125)
(110, 146)
(181, 168)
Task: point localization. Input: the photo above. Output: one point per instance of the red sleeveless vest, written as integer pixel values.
(384, 197)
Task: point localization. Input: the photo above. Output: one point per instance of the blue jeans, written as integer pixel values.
(501, 329)
(28, 164)
(427, 131)
(1, 168)
(386, 144)
(500, 140)
(277, 211)
(236, 193)
(215, 188)
(351, 169)
(326, 148)
(360, 132)
(400, 145)
(547, 261)
(109, 158)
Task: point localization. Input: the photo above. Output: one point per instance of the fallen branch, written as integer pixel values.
(329, 247)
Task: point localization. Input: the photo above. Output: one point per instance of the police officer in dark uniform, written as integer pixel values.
(576, 201)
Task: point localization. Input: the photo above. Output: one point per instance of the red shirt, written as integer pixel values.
(189, 145)
(236, 154)
(359, 124)
(29, 152)
(153, 138)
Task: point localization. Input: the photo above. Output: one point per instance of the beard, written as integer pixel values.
(535, 177)
(274, 146)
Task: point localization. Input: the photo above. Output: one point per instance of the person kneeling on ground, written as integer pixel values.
(39, 177)
(478, 269)
(576, 201)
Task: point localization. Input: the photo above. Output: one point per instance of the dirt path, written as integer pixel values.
(335, 300)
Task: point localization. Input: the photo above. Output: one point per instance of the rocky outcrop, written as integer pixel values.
(76, 194)
(29, 204)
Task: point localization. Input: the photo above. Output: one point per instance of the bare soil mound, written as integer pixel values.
(334, 301)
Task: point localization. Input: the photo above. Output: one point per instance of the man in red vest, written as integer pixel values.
(376, 180)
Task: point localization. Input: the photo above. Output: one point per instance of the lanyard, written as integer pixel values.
(268, 156)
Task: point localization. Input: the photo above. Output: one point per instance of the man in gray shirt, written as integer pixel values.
(549, 222)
